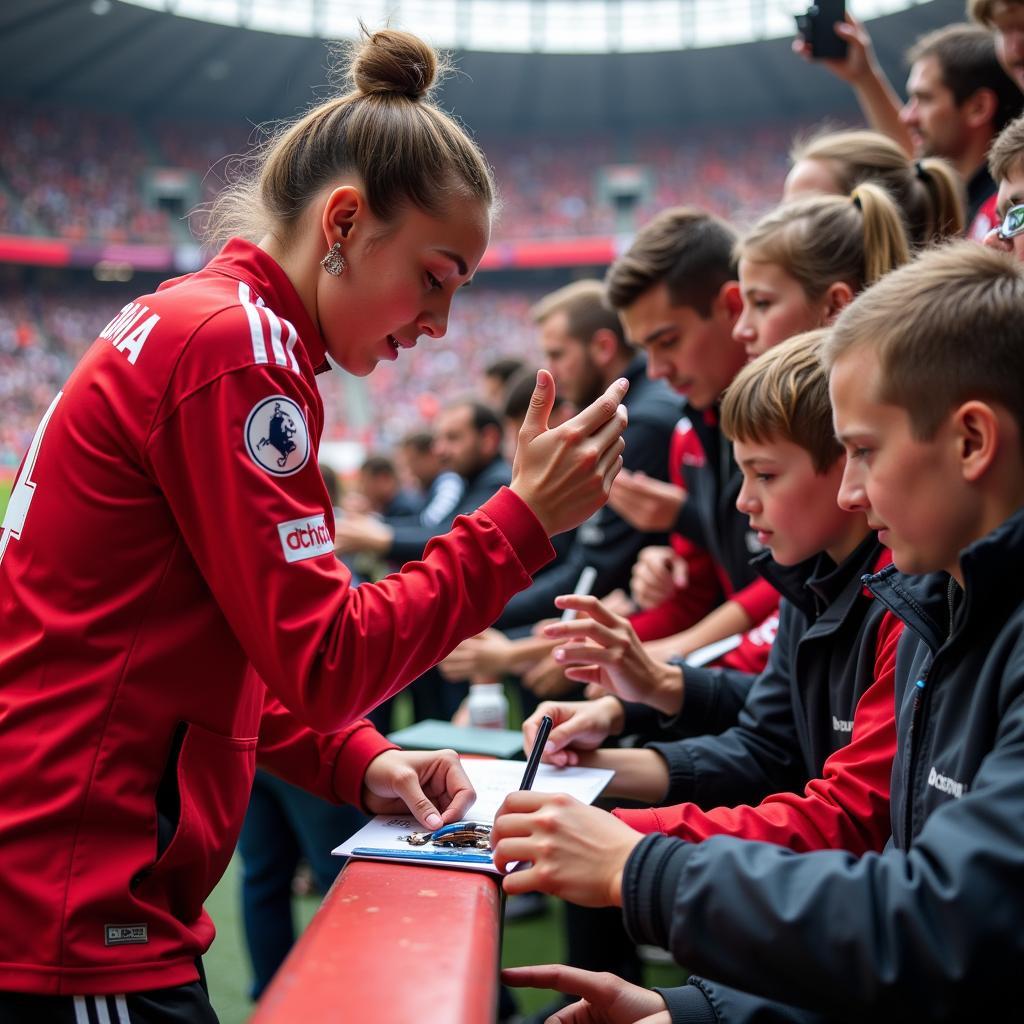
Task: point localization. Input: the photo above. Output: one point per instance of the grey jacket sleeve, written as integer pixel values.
(757, 756)
(713, 700)
(932, 933)
(701, 1001)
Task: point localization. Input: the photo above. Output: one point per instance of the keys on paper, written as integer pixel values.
(460, 834)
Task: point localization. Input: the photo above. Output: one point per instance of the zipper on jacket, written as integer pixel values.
(919, 688)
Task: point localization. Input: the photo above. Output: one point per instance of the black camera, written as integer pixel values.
(817, 26)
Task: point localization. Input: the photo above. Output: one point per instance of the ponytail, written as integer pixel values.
(928, 193)
(885, 241)
(821, 240)
(945, 205)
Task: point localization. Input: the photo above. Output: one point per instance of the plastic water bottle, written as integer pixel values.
(488, 706)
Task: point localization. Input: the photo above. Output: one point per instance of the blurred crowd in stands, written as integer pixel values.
(82, 176)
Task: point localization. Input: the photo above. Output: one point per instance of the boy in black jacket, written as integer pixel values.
(927, 383)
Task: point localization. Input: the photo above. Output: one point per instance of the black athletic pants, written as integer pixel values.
(183, 1004)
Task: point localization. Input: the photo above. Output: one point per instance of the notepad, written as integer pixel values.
(433, 734)
(381, 839)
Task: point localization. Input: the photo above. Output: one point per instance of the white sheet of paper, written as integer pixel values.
(493, 780)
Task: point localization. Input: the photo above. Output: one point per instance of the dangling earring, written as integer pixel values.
(334, 262)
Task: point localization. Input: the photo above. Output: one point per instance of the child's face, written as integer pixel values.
(910, 490)
(1011, 193)
(775, 307)
(793, 508)
(399, 283)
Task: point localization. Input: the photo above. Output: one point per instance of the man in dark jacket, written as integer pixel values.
(468, 442)
(585, 350)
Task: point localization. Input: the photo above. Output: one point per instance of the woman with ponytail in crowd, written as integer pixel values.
(929, 192)
(173, 611)
(805, 260)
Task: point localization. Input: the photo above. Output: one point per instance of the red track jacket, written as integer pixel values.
(172, 611)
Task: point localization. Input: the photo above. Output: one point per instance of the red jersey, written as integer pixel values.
(173, 612)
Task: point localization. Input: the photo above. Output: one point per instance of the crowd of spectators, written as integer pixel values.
(45, 329)
(80, 175)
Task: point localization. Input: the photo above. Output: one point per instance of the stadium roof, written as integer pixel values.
(522, 26)
(122, 56)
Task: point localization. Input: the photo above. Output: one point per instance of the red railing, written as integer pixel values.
(392, 944)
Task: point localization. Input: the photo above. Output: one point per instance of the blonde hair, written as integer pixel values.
(385, 130)
(1007, 150)
(945, 329)
(929, 191)
(820, 240)
(783, 396)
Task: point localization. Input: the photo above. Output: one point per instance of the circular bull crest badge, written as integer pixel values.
(276, 436)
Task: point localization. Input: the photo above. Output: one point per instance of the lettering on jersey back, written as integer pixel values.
(128, 331)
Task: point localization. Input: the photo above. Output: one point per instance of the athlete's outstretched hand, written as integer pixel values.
(430, 784)
(606, 999)
(564, 473)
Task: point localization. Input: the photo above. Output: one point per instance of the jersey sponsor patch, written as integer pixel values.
(276, 436)
(126, 934)
(305, 538)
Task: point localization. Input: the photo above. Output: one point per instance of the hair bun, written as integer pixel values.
(390, 61)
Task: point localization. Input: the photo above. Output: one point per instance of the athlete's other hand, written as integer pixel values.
(606, 999)
(564, 473)
(430, 784)
(578, 725)
(645, 502)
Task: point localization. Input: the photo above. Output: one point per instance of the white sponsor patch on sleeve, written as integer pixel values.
(276, 436)
(305, 538)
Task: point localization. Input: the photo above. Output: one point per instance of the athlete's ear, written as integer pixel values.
(342, 211)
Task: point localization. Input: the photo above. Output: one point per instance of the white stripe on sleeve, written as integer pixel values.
(291, 336)
(81, 1013)
(275, 337)
(102, 1014)
(259, 347)
(122, 1010)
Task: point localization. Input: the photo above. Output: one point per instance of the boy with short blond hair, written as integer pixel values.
(826, 695)
(927, 386)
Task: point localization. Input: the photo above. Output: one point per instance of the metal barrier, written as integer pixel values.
(393, 944)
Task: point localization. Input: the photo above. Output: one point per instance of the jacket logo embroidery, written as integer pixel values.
(276, 436)
(126, 934)
(944, 784)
